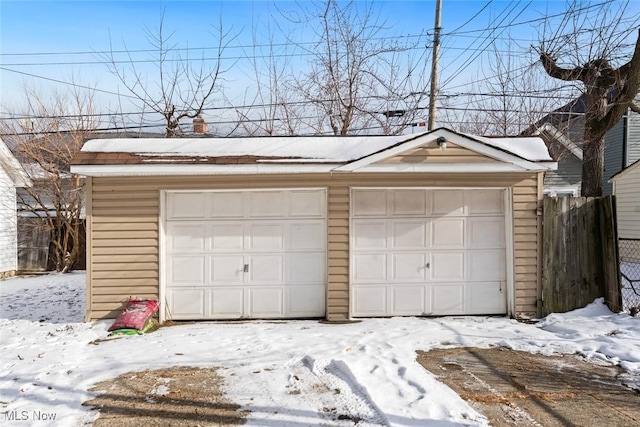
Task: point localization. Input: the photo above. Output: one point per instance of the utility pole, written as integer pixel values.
(433, 94)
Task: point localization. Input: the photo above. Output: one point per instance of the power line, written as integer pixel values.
(536, 94)
(67, 83)
(531, 21)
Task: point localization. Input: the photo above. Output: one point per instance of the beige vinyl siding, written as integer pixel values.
(338, 253)
(627, 190)
(123, 257)
(431, 153)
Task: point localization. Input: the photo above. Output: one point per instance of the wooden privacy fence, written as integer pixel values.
(580, 253)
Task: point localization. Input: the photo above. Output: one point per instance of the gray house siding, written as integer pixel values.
(613, 154)
(569, 173)
(633, 141)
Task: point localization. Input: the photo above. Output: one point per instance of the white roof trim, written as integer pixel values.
(13, 167)
(460, 140)
(191, 169)
(562, 138)
(444, 168)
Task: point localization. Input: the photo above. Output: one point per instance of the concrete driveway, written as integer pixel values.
(513, 388)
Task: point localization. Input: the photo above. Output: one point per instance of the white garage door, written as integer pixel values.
(427, 252)
(245, 254)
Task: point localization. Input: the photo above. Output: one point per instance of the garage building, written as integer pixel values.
(437, 223)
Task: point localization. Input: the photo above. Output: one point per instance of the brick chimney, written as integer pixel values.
(199, 125)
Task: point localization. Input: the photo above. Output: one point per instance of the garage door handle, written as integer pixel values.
(246, 268)
(428, 265)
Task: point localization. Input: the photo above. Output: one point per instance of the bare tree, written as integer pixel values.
(507, 96)
(51, 130)
(357, 78)
(268, 108)
(181, 86)
(590, 46)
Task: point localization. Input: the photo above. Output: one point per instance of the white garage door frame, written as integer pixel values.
(164, 313)
(508, 234)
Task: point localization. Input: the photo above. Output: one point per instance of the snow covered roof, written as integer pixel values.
(529, 148)
(315, 148)
(315, 154)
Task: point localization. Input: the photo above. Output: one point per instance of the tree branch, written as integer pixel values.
(566, 74)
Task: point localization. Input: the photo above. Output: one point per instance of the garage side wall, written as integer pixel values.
(628, 204)
(123, 254)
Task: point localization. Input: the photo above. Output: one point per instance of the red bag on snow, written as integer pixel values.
(135, 315)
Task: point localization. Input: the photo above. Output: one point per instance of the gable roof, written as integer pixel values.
(12, 167)
(288, 154)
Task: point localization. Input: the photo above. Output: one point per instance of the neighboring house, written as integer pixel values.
(12, 176)
(438, 223)
(563, 131)
(567, 178)
(626, 187)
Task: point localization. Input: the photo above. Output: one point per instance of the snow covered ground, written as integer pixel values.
(284, 372)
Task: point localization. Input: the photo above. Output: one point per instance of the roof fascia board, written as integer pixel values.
(189, 169)
(445, 168)
(460, 140)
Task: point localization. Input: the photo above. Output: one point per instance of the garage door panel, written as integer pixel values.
(447, 299)
(409, 300)
(448, 202)
(227, 269)
(369, 268)
(187, 270)
(487, 264)
(409, 267)
(227, 237)
(411, 202)
(227, 204)
(306, 268)
(486, 298)
(448, 266)
(307, 236)
(485, 202)
(266, 236)
(370, 300)
(486, 232)
(186, 237)
(409, 234)
(187, 303)
(370, 234)
(266, 302)
(448, 233)
(305, 301)
(369, 203)
(266, 268)
(186, 205)
(307, 204)
(226, 303)
(266, 204)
